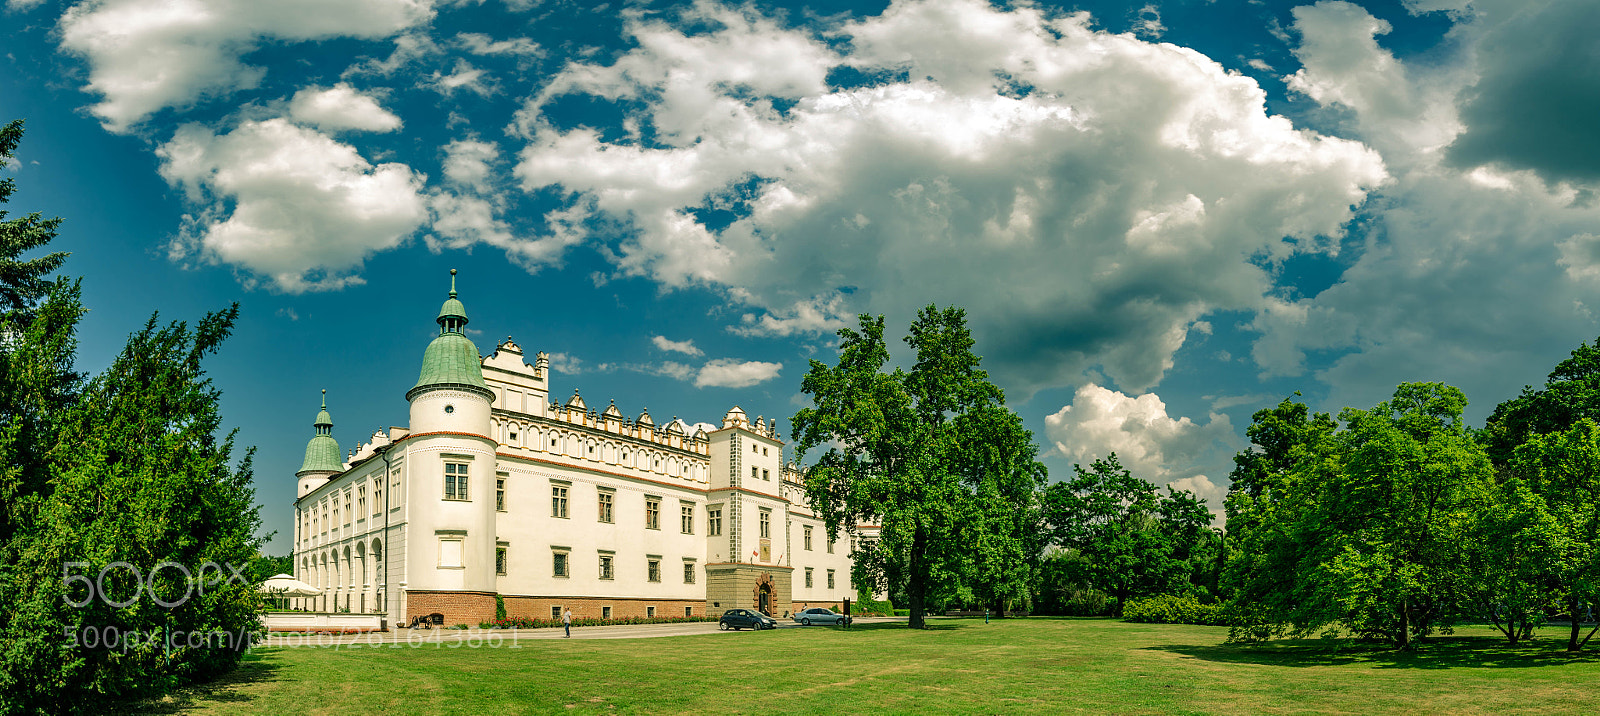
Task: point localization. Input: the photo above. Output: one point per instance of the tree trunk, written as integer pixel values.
(1405, 624)
(917, 588)
(1574, 611)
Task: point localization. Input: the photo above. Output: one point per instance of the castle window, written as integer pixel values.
(558, 501)
(654, 570)
(649, 611)
(830, 579)
(555, 613)
(808, 537)
(513, 438)
(499, 560)
(361, 501)
(606, 499)
(763, 452)
(687, 511)
(808, 577)
(559, 560)
(755, 472)
(455, 481)
(688, 611)
(605, 566)
(714, 521)
(766, 475)
(605, 612)
(652, 513)
(688, 574)
(830, 544)
(500, 494)
(766, 523)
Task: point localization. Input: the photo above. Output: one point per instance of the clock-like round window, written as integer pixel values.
(449, 409)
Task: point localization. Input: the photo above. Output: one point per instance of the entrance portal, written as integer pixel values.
(766, 599)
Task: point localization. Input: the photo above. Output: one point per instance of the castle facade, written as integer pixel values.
(492, 490)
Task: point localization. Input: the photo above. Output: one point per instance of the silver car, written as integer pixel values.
(820, 615)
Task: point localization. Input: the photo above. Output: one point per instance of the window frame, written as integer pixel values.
(652, 513)
(560, 500)
(457, 481)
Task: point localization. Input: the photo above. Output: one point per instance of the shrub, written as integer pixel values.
(866, 606)
(1173, 609)
(499, 607)
(902, 612)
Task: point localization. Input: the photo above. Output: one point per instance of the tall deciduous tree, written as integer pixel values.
(1512, 555)
(1368, 532)
(1132, 540)
(1563, 468)
(931, 455)
(1571, 393)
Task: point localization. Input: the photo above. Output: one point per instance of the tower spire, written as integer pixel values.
(452, 283)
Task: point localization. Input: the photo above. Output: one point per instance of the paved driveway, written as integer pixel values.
(502, 638)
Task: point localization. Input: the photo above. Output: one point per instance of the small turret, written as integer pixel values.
(322, 453)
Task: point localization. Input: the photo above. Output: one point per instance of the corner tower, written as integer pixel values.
(322, 454)
(450, 395)
(450, 476)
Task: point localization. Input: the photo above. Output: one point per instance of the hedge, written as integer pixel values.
(1173, 609)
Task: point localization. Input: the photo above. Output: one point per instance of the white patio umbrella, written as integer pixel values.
(284, 585)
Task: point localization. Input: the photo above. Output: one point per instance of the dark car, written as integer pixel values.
(745, 619)
(820, 615)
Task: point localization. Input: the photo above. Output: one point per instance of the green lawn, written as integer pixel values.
(1040, 665)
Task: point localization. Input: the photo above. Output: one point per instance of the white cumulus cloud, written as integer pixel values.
(1152, 444)
(149, 55)
(731, 373)
(288, 204)
(341, 107)
(684, 347)
(1086, 196)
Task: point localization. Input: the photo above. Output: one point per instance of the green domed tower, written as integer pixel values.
(450, 395)
(322, 453)
(451, 361)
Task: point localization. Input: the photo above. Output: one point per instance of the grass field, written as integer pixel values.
(1037, 665)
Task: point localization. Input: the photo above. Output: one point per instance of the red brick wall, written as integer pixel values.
(470, 608)
(590, 607)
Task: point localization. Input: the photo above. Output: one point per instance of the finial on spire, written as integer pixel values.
(452, 283)
(324, 398)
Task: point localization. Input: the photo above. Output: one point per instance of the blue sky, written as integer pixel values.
(1161, 217)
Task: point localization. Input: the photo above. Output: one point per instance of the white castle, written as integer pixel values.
(494, 490)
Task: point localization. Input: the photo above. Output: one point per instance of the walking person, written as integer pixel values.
(566, 623)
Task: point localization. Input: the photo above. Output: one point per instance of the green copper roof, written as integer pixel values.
(451, 359)
(453, 308)
(322, 453)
